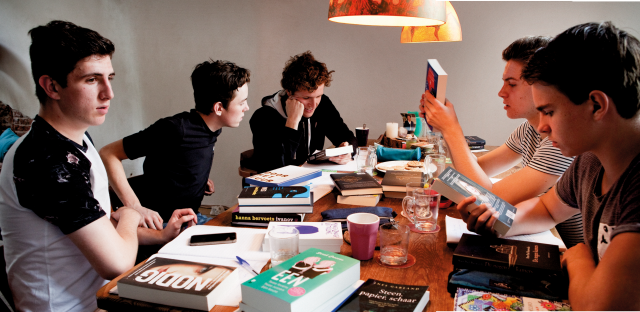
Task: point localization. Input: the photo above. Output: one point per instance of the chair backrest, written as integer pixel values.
(243, 171)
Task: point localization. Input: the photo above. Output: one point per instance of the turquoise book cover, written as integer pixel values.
(302, 282)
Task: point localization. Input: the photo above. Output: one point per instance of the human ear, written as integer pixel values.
(49, 86)
(600, 103)
(217, 108)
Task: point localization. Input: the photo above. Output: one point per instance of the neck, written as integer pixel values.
(617, 149)
(212, 121)
(52, 114)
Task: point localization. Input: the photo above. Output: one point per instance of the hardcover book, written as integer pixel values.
(308, 208)
(178, 283)
(264, 196)
(302, 283)
(457, 187)
(507, 256)
(325, 154)
(395, 194)
(436, 80)
(262, 219)
(396, 181)
(356, 184)
(475, 141)
(375, 295)
(477, 300)
(323, 235)
(476, 147)
(285, 176)
(358, 200)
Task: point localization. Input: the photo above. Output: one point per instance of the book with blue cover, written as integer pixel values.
(285, 176)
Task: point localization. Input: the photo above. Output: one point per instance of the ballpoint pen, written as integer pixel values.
(246, 265)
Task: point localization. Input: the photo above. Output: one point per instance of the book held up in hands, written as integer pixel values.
(457, 187)
(436, 80)
(320, 156)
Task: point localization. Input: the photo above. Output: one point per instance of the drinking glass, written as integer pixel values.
(422, 208)
(434, 165)
(394, 243)
(366, 159)
(283, 243)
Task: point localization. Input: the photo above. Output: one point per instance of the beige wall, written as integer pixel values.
(159, 42)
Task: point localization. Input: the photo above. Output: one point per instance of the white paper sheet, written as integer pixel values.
(457, 227)
(350, 166)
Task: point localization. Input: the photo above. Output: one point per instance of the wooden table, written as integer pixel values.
(434, 261)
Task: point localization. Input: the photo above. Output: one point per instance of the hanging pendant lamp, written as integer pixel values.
(450, 31)
(388, 12)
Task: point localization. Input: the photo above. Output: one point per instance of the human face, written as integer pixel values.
(568, 125)
(86, 99)
(310, 100)
(516, 93)
(232, 116)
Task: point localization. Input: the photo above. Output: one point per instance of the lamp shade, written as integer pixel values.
(450, 31)
(388, 12)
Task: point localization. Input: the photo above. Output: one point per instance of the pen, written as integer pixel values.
(246, 265)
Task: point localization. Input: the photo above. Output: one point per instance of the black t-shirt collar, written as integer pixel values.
(42, 126)
(197, 120)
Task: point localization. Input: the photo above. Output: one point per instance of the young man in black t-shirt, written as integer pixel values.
(586, 86)
(179, 149)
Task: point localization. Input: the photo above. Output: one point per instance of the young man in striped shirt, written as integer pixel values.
(543, 164)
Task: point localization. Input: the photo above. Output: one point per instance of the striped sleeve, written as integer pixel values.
(548, 159)
(514, 142)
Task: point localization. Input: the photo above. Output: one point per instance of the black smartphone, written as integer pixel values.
(212, 239)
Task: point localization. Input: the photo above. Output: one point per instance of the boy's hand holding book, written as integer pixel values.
(341, 159)
(479, 220)
(441, 116)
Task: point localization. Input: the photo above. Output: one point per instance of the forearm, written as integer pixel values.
(531, 217)
(580, 272)
(150, 237)
(117, 177)
(463, 160)
(127, 230)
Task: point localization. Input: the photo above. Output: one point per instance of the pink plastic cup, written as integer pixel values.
(363, 230)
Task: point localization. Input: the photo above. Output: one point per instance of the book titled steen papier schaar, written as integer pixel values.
(279, 195)
(301, 283)
(375, 295)
(507, 256)
(178, 283)
(457, 187)
(285, 176)
(356, 184)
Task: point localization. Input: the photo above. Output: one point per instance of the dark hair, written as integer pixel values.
(587, 57)
(57, 47)
(303, 72)
(522, 49)
(216, 81)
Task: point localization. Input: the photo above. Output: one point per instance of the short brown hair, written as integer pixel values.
(216, 81)
(522, 49)
(303, 72)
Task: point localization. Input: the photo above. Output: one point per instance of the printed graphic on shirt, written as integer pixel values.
(604, 238)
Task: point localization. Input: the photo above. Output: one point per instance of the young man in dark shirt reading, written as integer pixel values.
(179, 149)
(586, 86)
(293, 123)
(61, 240)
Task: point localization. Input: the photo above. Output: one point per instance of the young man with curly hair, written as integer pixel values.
(586, 86)
(179, 149)
(293, 122)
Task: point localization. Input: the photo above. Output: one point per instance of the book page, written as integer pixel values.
(457, 227)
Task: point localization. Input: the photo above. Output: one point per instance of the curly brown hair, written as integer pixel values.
(304, 72)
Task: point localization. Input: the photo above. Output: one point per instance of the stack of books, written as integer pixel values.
(262, 219)
(475, 143)
(308, 281)
(289, 200)
(357, 189)
(285, 176)
(394, 183)
(323, 235)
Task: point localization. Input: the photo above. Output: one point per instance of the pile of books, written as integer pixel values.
(259, 205)
(475, 143)
(394, 183)
(357, 189)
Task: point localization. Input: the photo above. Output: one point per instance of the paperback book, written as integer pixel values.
(304, 208)
(285, 176)
(477, 300)
(302, 283)
(323, 235)
(279, 195)
(457, 187)
(436, 82)
(356, 184)
(396, 181)
(358, 200)
(325, 154)
(262, 219)
(178, 283)
(375, 295)
(507, 256)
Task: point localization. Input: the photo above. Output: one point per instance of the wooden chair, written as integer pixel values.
(244, 158)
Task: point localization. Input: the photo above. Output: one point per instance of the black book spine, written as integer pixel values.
(490, 265)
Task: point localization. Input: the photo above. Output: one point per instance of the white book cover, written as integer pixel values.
(322, 235)
(285, 176)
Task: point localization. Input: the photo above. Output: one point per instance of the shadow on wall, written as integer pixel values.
(16, 79)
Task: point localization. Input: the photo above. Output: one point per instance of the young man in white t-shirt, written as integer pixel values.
(61, 241)
(542, 163)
